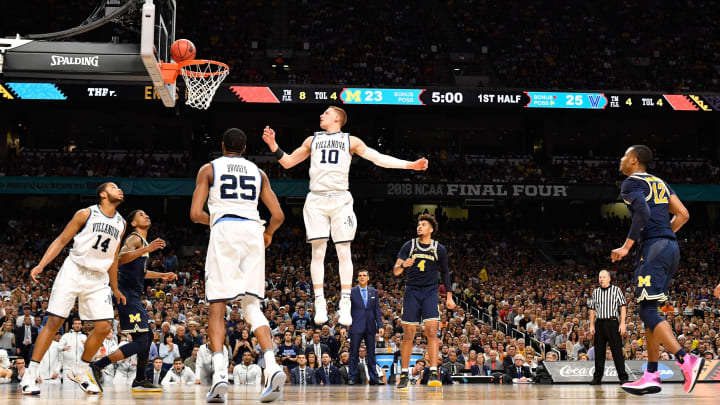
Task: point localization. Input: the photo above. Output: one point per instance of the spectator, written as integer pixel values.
(179, 374)
(169, 352)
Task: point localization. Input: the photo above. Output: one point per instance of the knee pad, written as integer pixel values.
(649, 314)
(253, 314)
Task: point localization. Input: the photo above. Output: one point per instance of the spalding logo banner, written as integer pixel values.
(582, 371)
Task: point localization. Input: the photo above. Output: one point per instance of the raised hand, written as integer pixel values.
(156, 244)
(419, 165)
(269, 138)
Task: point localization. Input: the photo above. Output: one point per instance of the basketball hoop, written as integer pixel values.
(202, 78)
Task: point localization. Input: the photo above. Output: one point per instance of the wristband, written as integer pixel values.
(279, 153)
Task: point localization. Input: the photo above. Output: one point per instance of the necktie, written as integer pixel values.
(327, 375)
(28, 340)
(156, 378)
(452, 369)
(519, 373)
(364, 296)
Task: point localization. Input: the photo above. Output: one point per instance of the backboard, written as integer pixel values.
(135, 58)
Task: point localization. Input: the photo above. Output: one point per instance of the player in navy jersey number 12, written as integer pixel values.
(651, 201)
(423, 259)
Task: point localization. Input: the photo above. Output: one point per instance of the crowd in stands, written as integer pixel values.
(624, 46)
(445, 167)
(512, 300)
(348, 46)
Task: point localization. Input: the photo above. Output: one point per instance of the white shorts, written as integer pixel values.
(330, 214)
(91, 288)
(235, 262)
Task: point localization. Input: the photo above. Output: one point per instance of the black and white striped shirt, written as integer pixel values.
(607, 302)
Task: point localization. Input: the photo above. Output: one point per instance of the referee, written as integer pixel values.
(607, 306)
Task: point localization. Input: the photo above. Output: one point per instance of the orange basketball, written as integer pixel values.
(181, 50)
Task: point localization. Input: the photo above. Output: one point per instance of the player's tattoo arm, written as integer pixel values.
(202, 188)
(680, 213)
(130, 250)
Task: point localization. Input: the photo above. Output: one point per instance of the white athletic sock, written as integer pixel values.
(33, 365)
(433, 368)
(345, 263)
(82, 366)
(345, 294)
(218, 362)
(269, 356)
(404, 371)
(319, 292)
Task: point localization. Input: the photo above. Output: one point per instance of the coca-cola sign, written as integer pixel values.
(583, 371)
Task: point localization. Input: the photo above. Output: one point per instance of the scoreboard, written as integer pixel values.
(338, 95)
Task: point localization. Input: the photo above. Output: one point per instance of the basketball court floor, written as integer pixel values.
(346, 395)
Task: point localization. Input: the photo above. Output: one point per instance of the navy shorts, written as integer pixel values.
(420, 304)
(133, 316)
(655, 268)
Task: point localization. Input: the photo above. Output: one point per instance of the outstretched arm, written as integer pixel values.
(358, 147)
(285, 160)
(73, 227)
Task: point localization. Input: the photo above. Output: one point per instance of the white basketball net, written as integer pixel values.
(202, 80)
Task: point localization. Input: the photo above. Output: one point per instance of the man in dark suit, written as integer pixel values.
(316, 347)
(25, 336)
(302, 374)
(453, 366)
(518, 371)
(367, 322)
(344, 368)
(327, 373)
(156, 374)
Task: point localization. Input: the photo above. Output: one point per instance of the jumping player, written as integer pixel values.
(328, 210)
(423, 258)
(235, 263)
(134, 318)
(92, 264)
(651, 201)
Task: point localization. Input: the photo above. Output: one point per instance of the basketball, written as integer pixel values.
(182, 50)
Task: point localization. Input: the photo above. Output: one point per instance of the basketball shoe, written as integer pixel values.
(218, 390)
(321, 315)
(648, 384)
(691, 368)
(274, 380)
(29, 382)
(84, 379)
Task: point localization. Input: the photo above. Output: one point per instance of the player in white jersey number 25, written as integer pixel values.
(328, 210)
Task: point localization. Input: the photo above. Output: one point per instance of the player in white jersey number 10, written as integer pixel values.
(328, 210)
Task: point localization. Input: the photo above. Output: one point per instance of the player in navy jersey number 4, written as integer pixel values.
(651, 201)
(328, 210)
(422, 258)
(134, 318)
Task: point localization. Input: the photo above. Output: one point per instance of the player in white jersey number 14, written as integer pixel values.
(89, 273)
(328, 210)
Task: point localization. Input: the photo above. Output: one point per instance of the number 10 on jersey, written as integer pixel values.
(333, 155)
